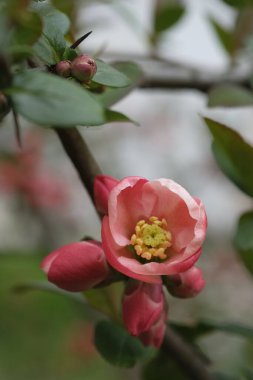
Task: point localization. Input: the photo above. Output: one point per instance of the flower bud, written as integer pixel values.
(143, 304)
(103, 184)
(77, 266)
(187, 284)
(63, 69)
(155, 335)
(83, 68)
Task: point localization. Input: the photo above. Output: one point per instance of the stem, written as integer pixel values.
(189, 362)
(87, 168)
(80, 155)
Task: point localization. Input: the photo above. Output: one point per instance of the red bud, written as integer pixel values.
(76, 266)
(83, 68)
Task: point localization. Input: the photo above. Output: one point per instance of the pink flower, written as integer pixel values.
(187, 284)
(155, 335)
(142, 306)
(77, 266)
(153, 228)
(103, 184)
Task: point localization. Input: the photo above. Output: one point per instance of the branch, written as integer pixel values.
(163, 73)
(189, 362)
(87, 169)
(80, 155)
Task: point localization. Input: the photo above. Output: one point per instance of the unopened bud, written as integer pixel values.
(77, 266)
(83, 68)
(142, 306)
(187, 284)
(63, 69)
(103, 184)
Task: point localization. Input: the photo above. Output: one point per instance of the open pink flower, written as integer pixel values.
(153, 228)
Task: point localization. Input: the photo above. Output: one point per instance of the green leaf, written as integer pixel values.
(51, 46)
(238, 3)
(233, 155)
(244, 239)
(53, 19)
(223, 376)
(229, 96)
(28, 28)
(162, 367)
(225, 36)
(109, 76)
(167, 16)
(19, 52)
(69, 54)
(117, 346)
(115, 116)
(111, 95)
(53, 101)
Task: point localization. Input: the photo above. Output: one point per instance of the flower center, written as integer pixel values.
(151, 239)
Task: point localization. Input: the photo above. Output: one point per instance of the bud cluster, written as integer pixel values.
(82, 68)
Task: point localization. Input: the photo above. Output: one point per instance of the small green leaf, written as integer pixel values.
(69, 54)
(244, 240)
(53, 19)
(118, 347)
(51, 46)
(111, 95)
(53, 101)
(167, 16)
(233, 155)
(238, 3)
(225, 36)
(115, 116)
(229, 96)
(19, 52)
(223, 376)
(28, 28)
(109, 76)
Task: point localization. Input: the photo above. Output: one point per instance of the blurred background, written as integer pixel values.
(43, 204)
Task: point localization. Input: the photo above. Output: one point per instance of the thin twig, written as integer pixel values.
(188, 361)
(17, 128)
(80, 155)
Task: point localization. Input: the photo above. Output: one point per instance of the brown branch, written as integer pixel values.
(168, 74)
(87, 168)
(80, 155)
(188, 361)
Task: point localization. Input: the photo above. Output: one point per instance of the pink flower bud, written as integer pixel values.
(187, 284)
(77, 266)
(103, 184)
(143, 304)
(155, 335)
(83, 68)
(63, 69)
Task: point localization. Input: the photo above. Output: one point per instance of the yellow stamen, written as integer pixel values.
(151, 238)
